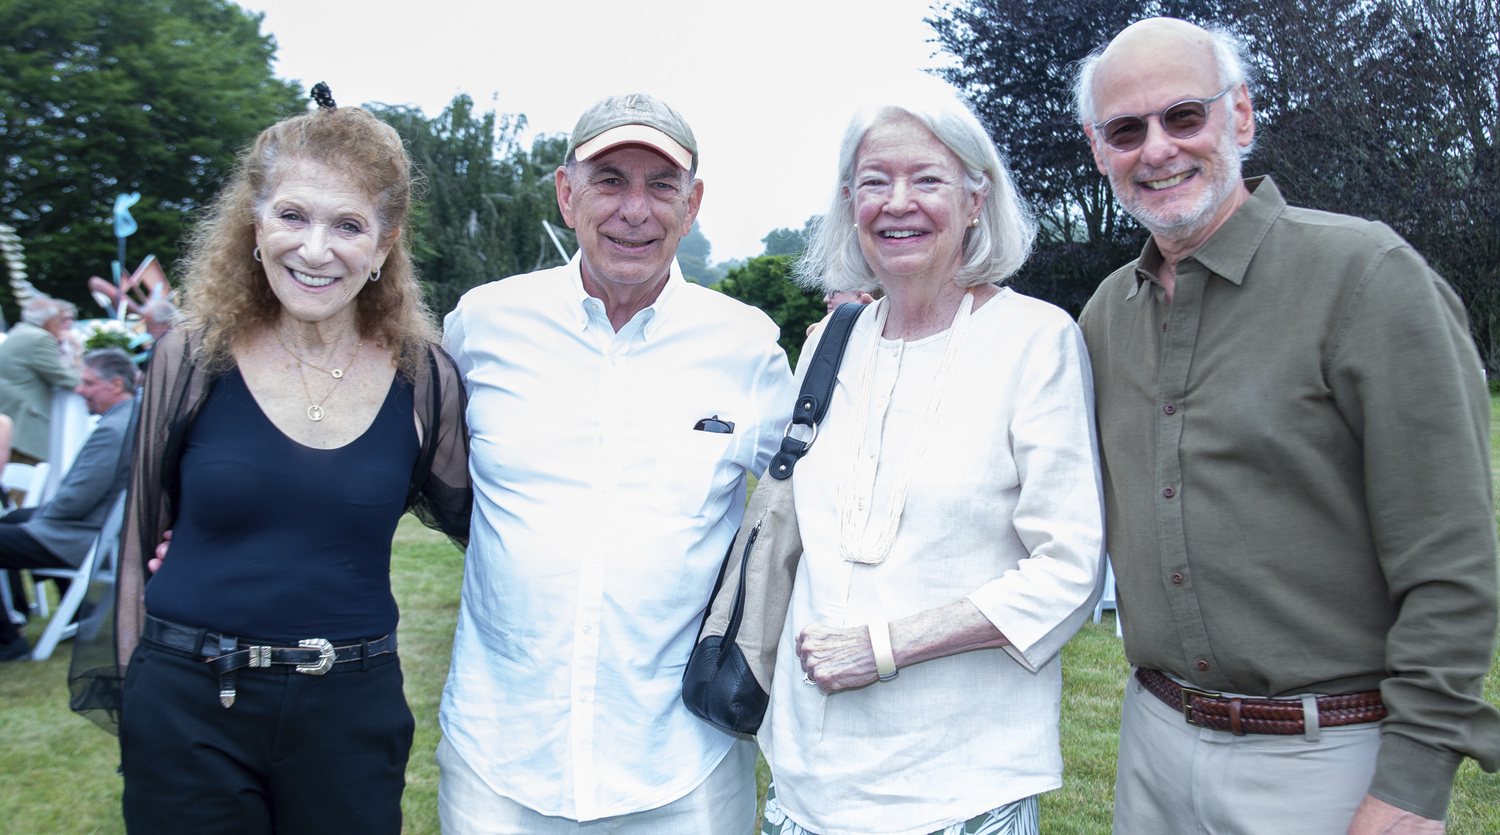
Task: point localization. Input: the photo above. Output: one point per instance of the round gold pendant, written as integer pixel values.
(314, 412)
(338, 373)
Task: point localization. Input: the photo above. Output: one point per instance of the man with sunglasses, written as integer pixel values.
(1294, 429)
(615, 412)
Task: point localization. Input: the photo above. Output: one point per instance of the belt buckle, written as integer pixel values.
(1187, 701)
(325, 656)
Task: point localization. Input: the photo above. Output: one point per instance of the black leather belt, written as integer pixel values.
(312, 656)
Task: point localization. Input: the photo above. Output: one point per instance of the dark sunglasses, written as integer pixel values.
(1182, 120)
(716, 425)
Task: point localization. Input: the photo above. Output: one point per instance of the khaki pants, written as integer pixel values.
(723, 804)
(1174, 778)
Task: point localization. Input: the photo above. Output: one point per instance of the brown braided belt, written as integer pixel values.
(1259, 716)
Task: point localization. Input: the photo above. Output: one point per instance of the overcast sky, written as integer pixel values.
(767, 86)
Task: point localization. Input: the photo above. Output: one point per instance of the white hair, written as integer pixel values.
(161, 310)
(993, 251)
(39, 308)
(1230, 59)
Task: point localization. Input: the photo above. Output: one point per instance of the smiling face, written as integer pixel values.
(910, 204)
(1180, 189)
(319, 239)
(630, 206)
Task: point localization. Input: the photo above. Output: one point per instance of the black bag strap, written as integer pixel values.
(817, 389)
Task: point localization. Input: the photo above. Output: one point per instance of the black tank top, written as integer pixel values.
(280, 541)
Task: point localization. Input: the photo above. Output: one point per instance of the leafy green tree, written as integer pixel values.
(1389, 110)
(484, 199)
(1385, 109)
(766, 283)
(784, 242)
(692, 257)
(101, 97)
(790, 241)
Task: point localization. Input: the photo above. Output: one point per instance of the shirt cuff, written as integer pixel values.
(1413, 776)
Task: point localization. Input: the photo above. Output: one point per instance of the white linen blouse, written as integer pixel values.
(1005, 508)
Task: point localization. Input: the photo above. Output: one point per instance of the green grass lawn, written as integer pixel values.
(57, 771)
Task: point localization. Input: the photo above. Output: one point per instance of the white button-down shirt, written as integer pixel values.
(601, 522)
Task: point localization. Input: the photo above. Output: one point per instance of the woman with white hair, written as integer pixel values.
(31, 365)
(950, 509)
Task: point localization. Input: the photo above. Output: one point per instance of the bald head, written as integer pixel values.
(1181, 120)
(1158, 46)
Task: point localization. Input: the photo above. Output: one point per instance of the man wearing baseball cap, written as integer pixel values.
(615, 411)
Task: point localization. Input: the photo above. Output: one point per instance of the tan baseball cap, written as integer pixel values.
(636, 119)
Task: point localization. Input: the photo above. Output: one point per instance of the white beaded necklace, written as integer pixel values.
(857, 541)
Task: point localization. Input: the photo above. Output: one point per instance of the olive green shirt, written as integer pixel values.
(1297, 479)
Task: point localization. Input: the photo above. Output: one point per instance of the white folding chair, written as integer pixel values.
(102, 554)
(25, 478)
(1107, 600)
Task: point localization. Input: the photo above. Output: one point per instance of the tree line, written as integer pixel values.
(1385, 109)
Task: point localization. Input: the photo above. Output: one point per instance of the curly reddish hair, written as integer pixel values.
(227, 294)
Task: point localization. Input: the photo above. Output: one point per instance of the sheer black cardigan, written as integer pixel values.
(439, 493)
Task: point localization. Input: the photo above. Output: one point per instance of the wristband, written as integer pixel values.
(880, 643)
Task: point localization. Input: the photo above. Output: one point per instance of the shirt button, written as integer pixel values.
(1169, 492)
(1176, 579)
(1169, 409)
(1163, 325)
(587, 629)
(1202, 665)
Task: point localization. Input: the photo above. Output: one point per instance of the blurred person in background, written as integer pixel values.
(58, 534)
(33, 361)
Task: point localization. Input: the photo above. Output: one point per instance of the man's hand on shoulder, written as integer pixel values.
(1376, 817)
(864, 298)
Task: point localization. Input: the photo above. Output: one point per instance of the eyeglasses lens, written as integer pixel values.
(715, 425)
(1182, 120)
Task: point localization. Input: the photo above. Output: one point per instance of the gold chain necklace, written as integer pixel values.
(315, 411)
(336, 373)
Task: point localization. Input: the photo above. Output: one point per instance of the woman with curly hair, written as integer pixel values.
(298, 411)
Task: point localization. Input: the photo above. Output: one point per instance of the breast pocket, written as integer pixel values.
(691, 466)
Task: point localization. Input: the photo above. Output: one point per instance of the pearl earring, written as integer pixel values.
(974, 222)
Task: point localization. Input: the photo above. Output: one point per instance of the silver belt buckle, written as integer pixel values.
(325, 656)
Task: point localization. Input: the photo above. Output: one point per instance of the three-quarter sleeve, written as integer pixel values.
(1059, 509)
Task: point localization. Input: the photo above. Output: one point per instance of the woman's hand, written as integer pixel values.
(161, 552)
(843, 659)
(837, 659)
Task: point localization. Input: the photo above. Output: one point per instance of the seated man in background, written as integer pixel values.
(58, 534)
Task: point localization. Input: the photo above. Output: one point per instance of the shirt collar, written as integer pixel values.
(652, 322)
(1228, 251)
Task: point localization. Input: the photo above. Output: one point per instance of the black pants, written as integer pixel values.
(19, 549)
(295, 754)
